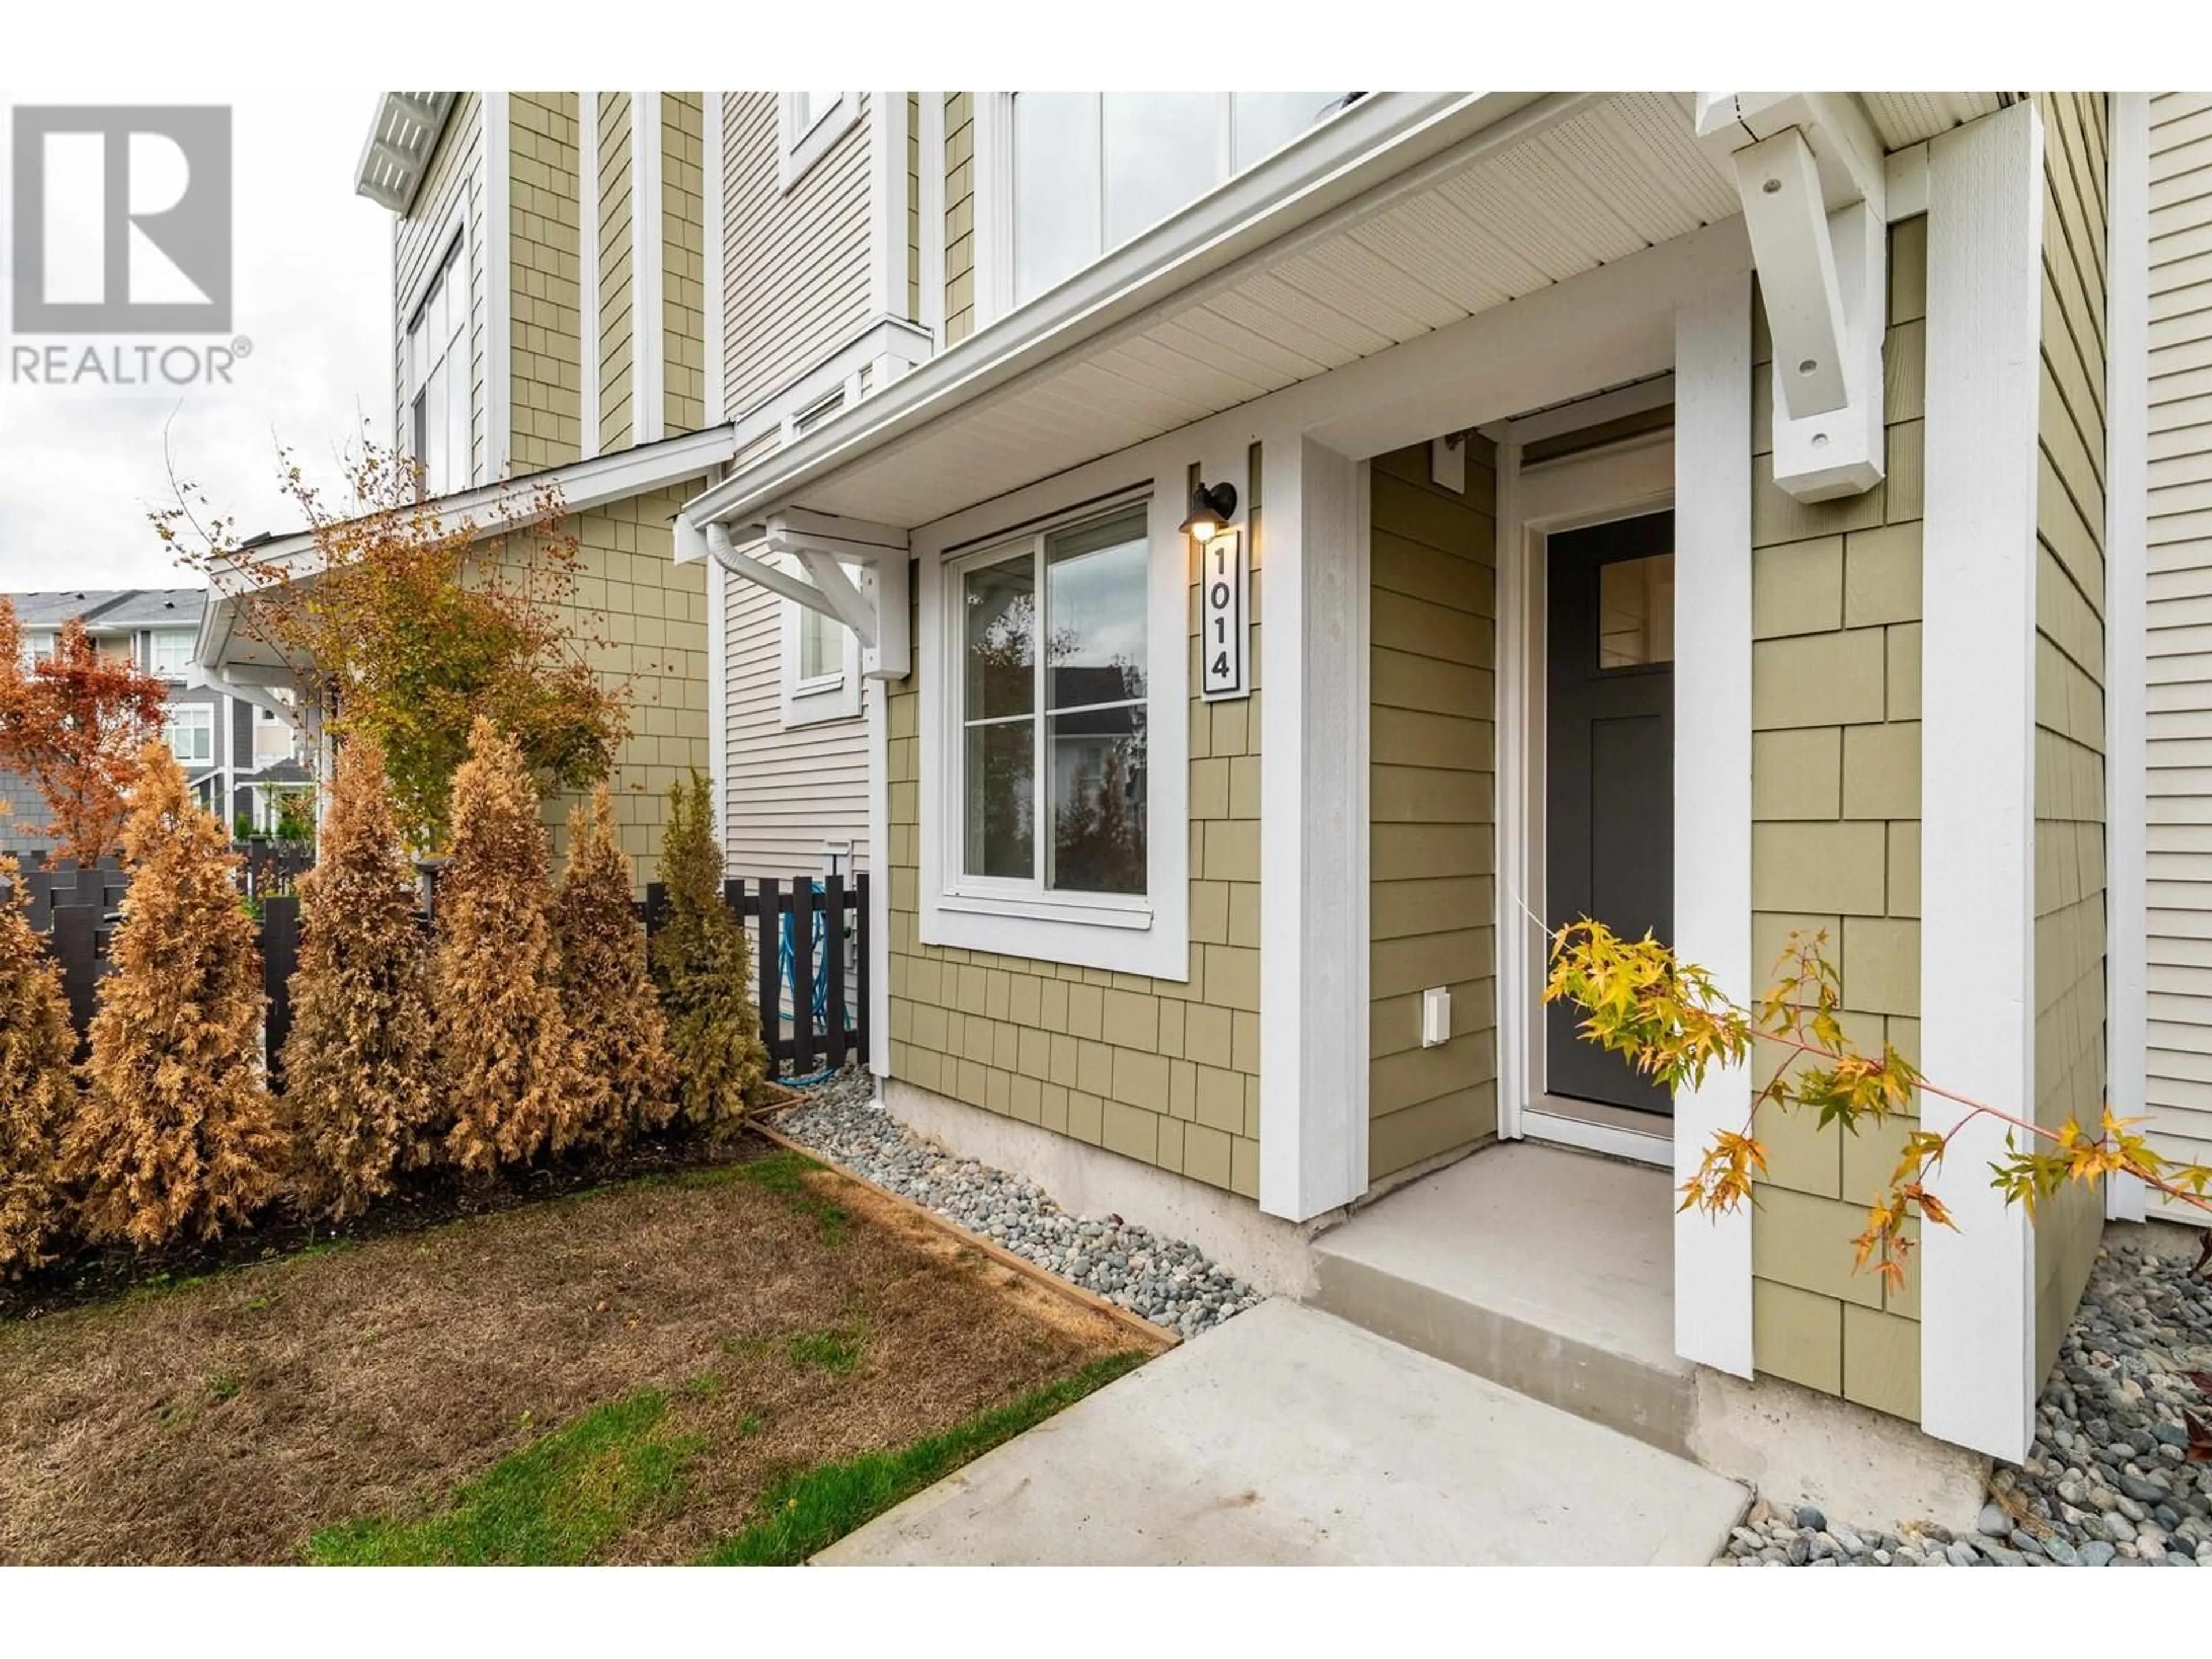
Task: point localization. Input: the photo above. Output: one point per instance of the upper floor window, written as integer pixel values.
(1093, 169)
(438, 378)
(189, 728)
(169, 652)
(38, 646)
(812, 122)
(821, 672)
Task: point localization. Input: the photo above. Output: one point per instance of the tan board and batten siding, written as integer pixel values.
(1432, 805)
(1835, 803)
(452, 192)
(2178, 695)
(2070, 687)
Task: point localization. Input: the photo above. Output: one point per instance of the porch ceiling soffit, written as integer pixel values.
(488, 510)
(1449, 208)
(397, 153)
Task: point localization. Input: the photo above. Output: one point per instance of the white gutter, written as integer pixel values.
(1378, 139)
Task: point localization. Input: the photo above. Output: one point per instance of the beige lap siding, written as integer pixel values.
(617, 334)
(2069, 689)
(1162, 1071)
(652, 613)
(1836, 846)
(683, 261)
(453, 189)
(1432, 793)
(543, 280)
(2177, 693)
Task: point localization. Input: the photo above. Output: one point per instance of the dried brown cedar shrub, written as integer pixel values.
(357, 1085)
(177, 1135)
(508, 1064)
(629, 1077)
(704, 969)
(37, 1093)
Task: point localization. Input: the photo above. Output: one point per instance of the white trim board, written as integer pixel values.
(2127, 492)
(1978, 764)
(587, 273)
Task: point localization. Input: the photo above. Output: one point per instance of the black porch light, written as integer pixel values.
(1210, 509)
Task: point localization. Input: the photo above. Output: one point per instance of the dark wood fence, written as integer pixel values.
(813, 993)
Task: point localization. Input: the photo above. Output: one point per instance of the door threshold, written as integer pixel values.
(1599, 1138)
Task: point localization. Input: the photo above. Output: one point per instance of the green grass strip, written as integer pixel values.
(556, 1503)
(806, 1513)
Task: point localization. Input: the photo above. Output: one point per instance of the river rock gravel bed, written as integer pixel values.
(2107, 1481)
(1162, 1279)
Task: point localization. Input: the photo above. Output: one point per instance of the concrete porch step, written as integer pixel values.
(1545, 1270)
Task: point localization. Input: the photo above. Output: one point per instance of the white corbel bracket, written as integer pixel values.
(1809, 170)
(876, 607)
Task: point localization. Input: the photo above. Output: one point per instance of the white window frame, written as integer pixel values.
(800, 149)
(1130, 933)
(175, 725)
(37, 645)
(453, 246)
(182, 638)
(823, 697)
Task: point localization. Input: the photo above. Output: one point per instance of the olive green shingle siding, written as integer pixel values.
(683, 261)
(1433, 772)
(617, 330)
(1835, 848)
(2070, 687)
(543, 280)
(1166, 1072)
(959, 163)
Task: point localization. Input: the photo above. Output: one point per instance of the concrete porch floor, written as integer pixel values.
(1547, 1270)
(1288, 1437)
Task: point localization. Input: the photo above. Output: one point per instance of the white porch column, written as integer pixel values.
(1978, 764)
(1712, 781)
(1313, 830)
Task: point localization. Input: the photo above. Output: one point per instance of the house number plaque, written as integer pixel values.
(1221, 617)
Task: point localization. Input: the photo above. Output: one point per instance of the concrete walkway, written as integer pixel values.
(1289, 1437)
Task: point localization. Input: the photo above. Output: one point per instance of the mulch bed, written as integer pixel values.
(789, 1322)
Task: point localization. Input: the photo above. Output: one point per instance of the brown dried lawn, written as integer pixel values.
(228, 1419)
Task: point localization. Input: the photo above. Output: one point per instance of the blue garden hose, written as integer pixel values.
(786, 961)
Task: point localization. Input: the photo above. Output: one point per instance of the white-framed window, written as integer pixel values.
(169, 652)
(37, 645)
(437, 369)
(821, 674)
(1055, 737)
(189, 730)
(273, 739)
(812, 122)
(1091, 170)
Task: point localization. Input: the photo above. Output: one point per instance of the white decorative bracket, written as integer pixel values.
(876, 607)
(1809, 169)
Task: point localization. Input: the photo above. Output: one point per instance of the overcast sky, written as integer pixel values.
(79, 465)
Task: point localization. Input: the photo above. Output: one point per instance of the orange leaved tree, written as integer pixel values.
(509, 1066)
(73, 723)
(357, 1085)
(37, 1090)
(411, 620)
(177, 1137)
(1673, 1025)
(629, 1076)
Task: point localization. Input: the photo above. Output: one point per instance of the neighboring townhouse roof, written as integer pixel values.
(580, 485)
(113, 610)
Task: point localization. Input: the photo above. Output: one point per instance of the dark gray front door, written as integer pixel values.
(1609, 766)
